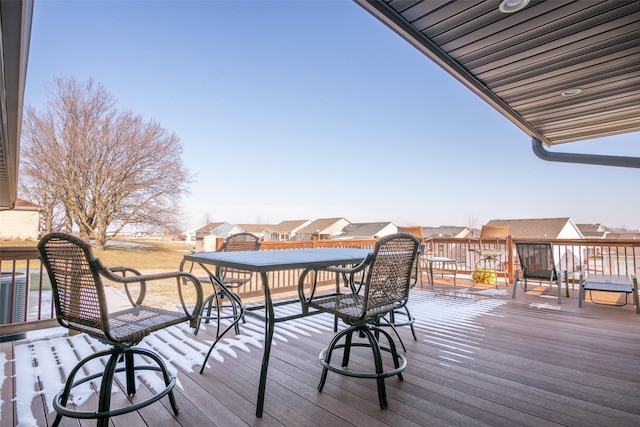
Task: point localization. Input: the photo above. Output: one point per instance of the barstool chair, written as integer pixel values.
(81, 305)
(387, 280)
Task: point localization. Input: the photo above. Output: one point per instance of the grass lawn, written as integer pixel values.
(144, 255)
(147, 256)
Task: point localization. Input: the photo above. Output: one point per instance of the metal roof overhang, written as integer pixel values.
(523, 63)
(15, 33)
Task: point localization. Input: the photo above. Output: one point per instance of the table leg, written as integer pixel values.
(581, 289)
(431, 271)
(269, 324)
(635, 293)
(219, 336)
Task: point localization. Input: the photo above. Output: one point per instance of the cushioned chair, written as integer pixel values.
(490, 260)
(81, 305)
(537, 263)
(387, 280)
(231, 278)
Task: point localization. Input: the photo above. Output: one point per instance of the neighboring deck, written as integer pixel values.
(481, 359)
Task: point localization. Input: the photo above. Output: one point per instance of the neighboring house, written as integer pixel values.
(367, 230)
(260, 230)
(322, 229)
(626, 235)
(21, 222)
(207, 235)
(190, 235)
(286, 230)
(446, 231)
(600, 231)
(219, 229)
(545, 228)
(593, 231)
(540, 228)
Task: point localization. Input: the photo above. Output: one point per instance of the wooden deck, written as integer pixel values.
(481, 359)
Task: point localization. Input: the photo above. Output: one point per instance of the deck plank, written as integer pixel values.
(480, 359)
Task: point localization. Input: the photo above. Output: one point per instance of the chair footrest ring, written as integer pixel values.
(357, 374)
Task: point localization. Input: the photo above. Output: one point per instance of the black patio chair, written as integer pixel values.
(405, 318)
(387, 280)
(537, 262)
(231, 278)
(81, 305)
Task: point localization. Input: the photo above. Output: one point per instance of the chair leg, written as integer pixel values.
(130, 374)
(515, 285)
(377, 359)
(371, 332)
(346, 354)
(392, 326)
(104, 411)
(393, 350)
(377, 355)
(325, 355)
(411, 321)
(104, 401)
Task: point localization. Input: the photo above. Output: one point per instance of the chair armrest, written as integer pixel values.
(181, 279)
(350, 270)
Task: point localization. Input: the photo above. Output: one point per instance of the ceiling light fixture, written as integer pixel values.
(571, 92)
(510, 6)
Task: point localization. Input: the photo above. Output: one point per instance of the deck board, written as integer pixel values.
(480, 359)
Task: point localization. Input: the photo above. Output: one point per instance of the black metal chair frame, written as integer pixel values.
(537, 262)
(609, 284)
(408, 319)
(81, 305)
(387, 281)
(232, 279)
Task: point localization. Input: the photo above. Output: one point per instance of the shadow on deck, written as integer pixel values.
(481, 359)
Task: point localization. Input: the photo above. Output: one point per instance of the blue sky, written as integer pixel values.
(314, 109)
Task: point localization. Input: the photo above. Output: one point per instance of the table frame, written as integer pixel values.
(263, 262)
(430, 260)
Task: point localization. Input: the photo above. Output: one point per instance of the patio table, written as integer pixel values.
(263, 262)
(444, 261)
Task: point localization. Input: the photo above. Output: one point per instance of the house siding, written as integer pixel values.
(19, 224)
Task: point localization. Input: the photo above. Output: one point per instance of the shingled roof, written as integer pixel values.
(537, 228)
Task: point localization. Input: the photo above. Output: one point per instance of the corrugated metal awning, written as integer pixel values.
(562, 71)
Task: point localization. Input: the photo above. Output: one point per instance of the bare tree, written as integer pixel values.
(52, 216)
(108, 168)
(473, 223)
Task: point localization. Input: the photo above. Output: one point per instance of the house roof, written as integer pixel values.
(591, 228)
(288, 226)
(445, 231)
(525, 63)
(536, 228)
(320, 225)
(218, 226)
(255, 228)
(363, 229)
(21, 203)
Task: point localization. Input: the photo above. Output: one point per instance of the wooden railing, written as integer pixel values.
(22, 270)
(25, 300)
(574, 255)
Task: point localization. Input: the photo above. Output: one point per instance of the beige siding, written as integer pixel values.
(19, 224)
